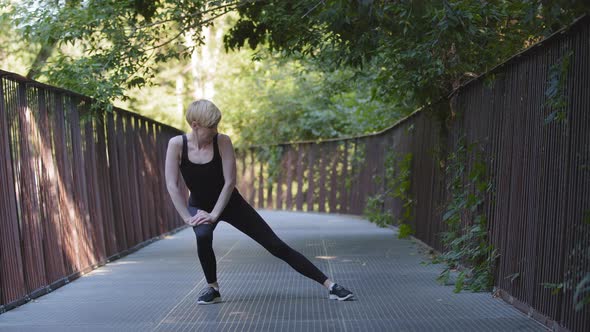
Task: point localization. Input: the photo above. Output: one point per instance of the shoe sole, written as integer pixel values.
(334, 297)
(215, 300)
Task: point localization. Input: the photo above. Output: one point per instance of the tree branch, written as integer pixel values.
(236, 4)
(41, 58)
(182, 31)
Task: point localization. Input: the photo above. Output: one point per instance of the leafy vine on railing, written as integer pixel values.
(397, 185)
(555, 92)
(270, 156)
(578, 278)
(467, 248)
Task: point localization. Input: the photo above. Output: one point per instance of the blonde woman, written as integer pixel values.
(206, 161)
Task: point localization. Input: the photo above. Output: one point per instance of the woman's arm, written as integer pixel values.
(173, 155)
(228, 159)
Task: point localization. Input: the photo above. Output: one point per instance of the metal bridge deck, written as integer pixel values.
(155, 288)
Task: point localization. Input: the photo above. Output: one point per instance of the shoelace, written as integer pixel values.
(206, 290)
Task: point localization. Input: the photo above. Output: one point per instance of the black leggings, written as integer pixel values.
(242, 216)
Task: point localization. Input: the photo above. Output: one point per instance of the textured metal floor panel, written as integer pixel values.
(155, 289)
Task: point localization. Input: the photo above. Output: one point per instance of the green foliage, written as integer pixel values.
(335, 68)
(402, 184)
(357, 66)
(577, 277)
(405, 230)
(273, 100)
(398, 184)
(334, 31)
(581, 289)
(374, 211)
(15, 54)
(357, 153)
(555, 287)
(466, 240)
(273, 155)
(555, 93)
(171, 100)
(582, 292)
(101, 50)
(105, 48)
(422, 49)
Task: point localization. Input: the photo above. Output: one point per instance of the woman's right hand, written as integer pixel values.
(194, 220)
(190, 220)
(192, 212)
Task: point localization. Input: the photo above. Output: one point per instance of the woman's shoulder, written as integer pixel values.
(176, 141)
(224, 140)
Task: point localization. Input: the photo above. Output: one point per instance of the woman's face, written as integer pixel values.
(204, 134)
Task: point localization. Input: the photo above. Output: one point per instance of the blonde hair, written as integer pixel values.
(204, 112)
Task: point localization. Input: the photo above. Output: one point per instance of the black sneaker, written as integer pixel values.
(339, 293)
(209, 295)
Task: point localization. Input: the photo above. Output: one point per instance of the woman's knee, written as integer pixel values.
(203, 232)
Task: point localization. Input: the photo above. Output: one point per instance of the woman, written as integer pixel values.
(207, 163)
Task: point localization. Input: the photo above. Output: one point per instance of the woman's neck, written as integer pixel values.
(199, 144)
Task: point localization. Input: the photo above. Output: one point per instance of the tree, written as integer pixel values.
(365, 61)
(103, 48)
(266, 97)
(423, 48)
(15, 54)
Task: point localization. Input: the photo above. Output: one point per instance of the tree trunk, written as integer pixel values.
(41, 58)
(47, 47)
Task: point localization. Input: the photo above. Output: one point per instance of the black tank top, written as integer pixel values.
(205, 181)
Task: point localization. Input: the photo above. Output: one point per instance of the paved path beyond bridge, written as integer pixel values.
(156, 288)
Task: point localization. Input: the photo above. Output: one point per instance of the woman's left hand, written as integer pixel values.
(204, 217)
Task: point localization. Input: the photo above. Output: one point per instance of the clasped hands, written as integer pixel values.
(202, 217)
